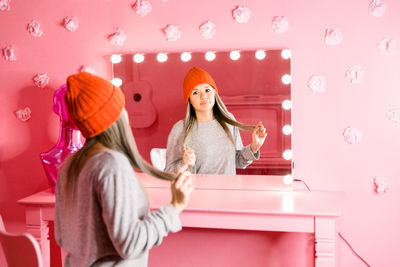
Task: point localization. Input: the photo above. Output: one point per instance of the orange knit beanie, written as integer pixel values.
(93, 103)
(194, 77)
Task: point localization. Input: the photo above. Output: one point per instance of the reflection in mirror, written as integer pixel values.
(254, 85)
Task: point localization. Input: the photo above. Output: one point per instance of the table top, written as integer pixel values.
(234, 194)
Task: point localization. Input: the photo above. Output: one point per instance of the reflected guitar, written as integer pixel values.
(141, 110)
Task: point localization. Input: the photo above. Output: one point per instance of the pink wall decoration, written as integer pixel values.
(8, 53)
(381, 185)
(355, 73)
(333, 37)
(280, 24)
(34, 29)
(207, 29)
(41, 80)
(377, 8)
(23, 114)
(142, 7)
(172, 33)
(241, 14)
(71, 23)
(118, 37)
(317, 83)
(387, 46)
(352, 135)
(5, 5)
(394, 115)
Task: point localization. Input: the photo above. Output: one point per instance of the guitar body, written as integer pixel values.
(141, 110)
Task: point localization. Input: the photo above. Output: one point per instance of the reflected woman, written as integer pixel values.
(208, 139)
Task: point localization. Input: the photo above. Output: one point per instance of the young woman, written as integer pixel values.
(208, 140)
(102, 211)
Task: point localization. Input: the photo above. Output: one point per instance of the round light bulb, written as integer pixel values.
(287, 154)
(116, 59)
(286, 104)
(288, 179)
(210, 56)
(286, 79)
(287, 130)
(286, 53)
(260, 54)
(138, 58)
(186, 56)
(234, 55)
(162, 57)
(117, 82)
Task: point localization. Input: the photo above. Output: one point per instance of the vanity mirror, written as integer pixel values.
(254, 85)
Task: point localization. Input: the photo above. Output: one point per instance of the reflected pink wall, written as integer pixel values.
(322, 157)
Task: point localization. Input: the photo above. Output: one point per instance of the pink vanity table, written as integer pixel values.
(242, 202)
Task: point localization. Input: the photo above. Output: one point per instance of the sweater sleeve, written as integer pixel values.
(244, 155)
(174, 148)
(122, 199)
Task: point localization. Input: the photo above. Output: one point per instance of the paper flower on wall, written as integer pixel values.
(88, 69)
(23, 114)
(118, 37)
(41, 80)
(5, 5)
(34, 29)
(355, 74)
(172, 32)
(387, 46)
(333, 37)
(8, 53)
(381, 185)
(352, 135)
(71, 23)
(280, 24)
(394, 115)
(207, 29)
(377, 8)
(317, 83)
(142, 7)
(241, 14)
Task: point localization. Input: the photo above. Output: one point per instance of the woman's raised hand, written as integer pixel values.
(188, 156)
(258, 137)
(181, 188)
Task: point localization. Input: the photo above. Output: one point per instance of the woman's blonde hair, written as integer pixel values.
(221, 114)
(117, 137)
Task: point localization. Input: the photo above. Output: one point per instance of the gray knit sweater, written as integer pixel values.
(215, 153)
(109, 224)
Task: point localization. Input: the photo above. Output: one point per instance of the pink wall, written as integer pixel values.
(322, 157)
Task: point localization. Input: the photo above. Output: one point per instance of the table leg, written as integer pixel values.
(325, 240)
(36, 226)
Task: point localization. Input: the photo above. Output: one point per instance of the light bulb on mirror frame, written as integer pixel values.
(260, 54)
(138, 58)
(116, 82)
(210, 56)
(162, 57)
(287, 130)
(287, 154)
(115, 58)
(186, 56)
(286, 79)
(286, 53)
(288, 179)
(287, 104)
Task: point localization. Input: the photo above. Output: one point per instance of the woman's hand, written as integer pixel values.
(258, 137)
(181, 188)
(188, 156)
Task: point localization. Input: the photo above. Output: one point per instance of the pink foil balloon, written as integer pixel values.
(70, 140)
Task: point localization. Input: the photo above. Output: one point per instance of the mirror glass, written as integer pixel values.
(254, 85)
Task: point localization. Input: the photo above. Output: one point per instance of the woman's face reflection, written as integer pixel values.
(202, 97)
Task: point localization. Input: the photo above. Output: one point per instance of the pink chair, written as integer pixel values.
(20, 249)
